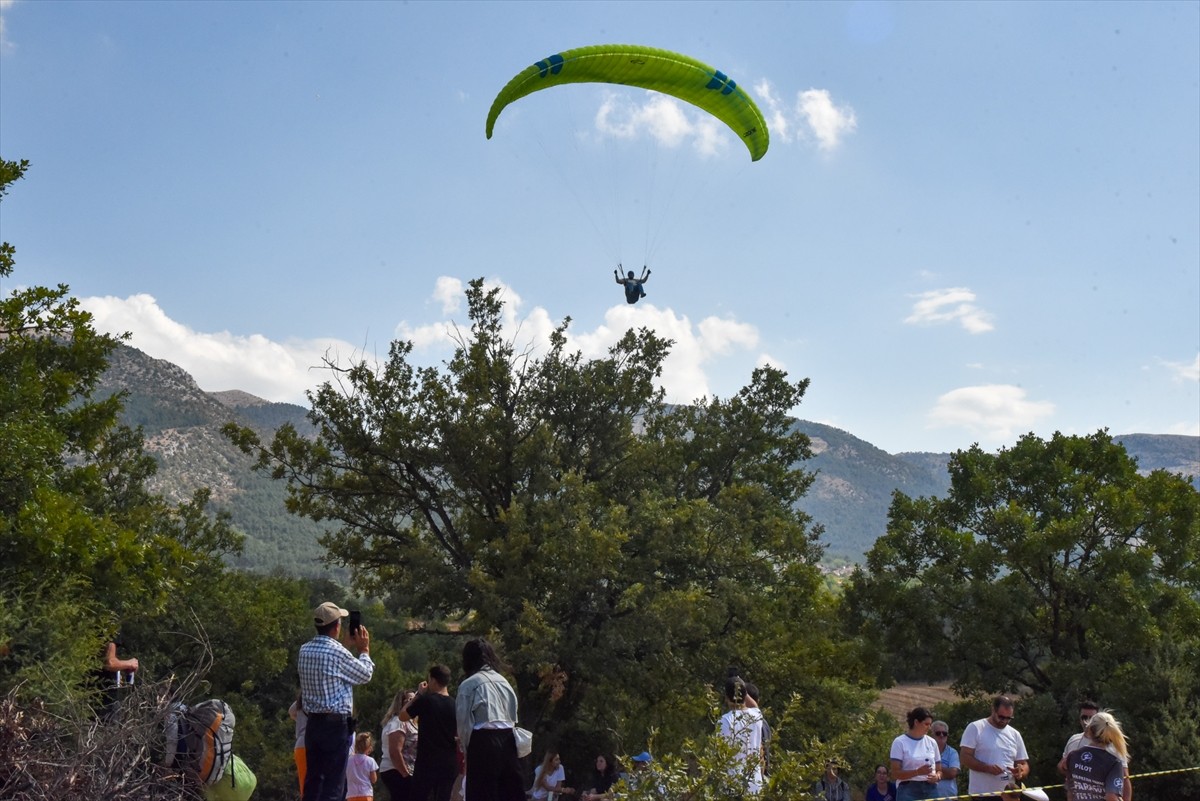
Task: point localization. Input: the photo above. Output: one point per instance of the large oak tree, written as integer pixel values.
(1055, 569)
(623, 551)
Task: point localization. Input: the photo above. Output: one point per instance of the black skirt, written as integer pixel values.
(493, 770)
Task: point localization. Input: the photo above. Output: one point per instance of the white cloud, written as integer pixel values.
(1189, 428)
(664, 118)
(1185, 371)
(814, 117)
(998, 412)
(827, 121)
(279, 371)
(448, 292)
(283, 371)
(767, 360)
(777, 122)
(5, 5)
(424, 337)
(948, 305)
(684, 377)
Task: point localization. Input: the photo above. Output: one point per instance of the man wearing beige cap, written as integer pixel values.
(328, 673)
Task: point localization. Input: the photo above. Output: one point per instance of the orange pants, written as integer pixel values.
(301, 766)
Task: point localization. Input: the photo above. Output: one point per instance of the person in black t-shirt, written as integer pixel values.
(437, 750)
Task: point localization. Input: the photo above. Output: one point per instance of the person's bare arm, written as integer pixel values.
(112, 664)
(968, 758)
(404, 716)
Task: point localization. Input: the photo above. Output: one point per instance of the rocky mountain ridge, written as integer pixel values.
(181, 422)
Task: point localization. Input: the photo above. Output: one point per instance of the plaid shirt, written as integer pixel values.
(328, 673)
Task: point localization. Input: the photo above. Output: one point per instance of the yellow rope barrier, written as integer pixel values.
(1057, 786)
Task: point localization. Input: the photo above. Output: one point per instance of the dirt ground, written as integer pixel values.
(900, 699)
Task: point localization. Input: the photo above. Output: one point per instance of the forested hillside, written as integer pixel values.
(849, 498)
(854, 485)
(182, 425)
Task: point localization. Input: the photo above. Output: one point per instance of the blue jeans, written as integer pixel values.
(913, 791)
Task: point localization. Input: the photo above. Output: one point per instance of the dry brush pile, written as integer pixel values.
(51, 755)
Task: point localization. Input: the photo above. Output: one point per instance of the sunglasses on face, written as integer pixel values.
(941, 733)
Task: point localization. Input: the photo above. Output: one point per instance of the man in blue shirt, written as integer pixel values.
(328, 674)
(940, 732)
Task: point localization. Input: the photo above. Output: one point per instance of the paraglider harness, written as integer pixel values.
(633, 286)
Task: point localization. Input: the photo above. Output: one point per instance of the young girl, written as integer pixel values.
(361, 769)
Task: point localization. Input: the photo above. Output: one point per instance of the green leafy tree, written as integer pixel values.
(1053, 568)
(82, 542)
(621, 551)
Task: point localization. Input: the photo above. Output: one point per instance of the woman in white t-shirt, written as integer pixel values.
(916, 760)
(549, 777)
(742, 727)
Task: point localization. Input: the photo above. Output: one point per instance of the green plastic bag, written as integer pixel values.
(237, 784)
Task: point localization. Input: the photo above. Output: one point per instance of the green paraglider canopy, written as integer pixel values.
(649, 68)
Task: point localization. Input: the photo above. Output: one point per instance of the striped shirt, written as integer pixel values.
(328, 673)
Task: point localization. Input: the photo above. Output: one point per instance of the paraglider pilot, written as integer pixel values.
(633, 286)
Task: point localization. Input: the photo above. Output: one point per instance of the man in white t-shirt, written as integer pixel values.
(994, 751)
(1087, 709)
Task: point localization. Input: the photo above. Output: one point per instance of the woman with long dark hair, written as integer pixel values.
(742, 727)
(487, 712)
(603, 779)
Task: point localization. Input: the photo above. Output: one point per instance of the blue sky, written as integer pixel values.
(975, 219)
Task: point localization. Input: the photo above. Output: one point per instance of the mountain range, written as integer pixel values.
(182, 428)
